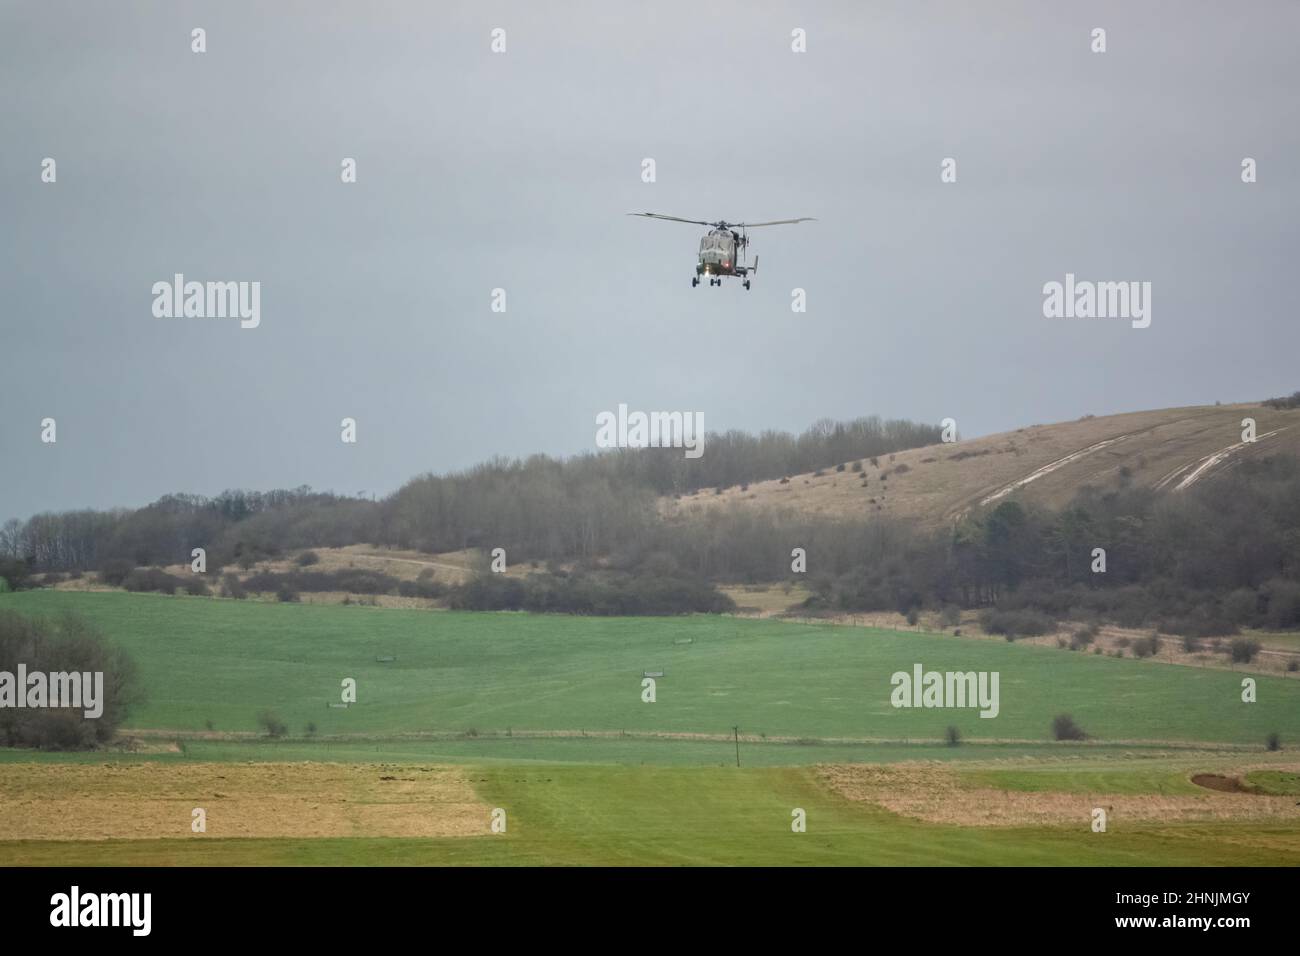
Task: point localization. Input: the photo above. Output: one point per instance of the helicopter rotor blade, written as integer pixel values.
(655, 215)
(774, 222)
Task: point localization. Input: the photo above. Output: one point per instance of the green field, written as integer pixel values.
(222, 661)
(544, 713)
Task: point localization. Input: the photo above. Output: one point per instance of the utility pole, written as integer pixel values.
(736, 731)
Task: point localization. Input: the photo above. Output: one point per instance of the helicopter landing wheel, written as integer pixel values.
(746, 283)
(695, 280)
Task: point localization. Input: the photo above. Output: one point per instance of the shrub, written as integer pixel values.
(950, 616)
(287, 595)
(421, 588)
(1243, 649)
(1292, 667)
(1146, 646)
(311, 728)
(308, 558)
(232, 587)
(1064, 728)
(1017, 623)
(270, 721)
(114, 572)
(1273, 741)
(952, 736)
(153, 579)
(1084, 636)
(15, 572)
(856, 466)
(1287, 401)
(1191, 644)
(68, 643)
(913, 615)
(355, 580)
(598, 592)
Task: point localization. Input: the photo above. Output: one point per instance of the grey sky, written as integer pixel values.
(479, 171)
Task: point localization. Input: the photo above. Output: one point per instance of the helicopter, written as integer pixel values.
(720, 245)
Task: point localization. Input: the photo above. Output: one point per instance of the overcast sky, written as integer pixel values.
(479, 170)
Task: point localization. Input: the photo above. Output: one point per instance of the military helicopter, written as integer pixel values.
(719, 247)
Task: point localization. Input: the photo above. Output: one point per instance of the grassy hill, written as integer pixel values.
(221, 662)
(1168, 449)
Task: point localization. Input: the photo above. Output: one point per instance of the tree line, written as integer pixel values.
(1223, 554)
(537, 508)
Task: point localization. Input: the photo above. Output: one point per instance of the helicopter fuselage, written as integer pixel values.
(718, 255)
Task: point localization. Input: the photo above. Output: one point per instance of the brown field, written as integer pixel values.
(155, 800)
(936, 793)
(1044, 464)
(765, 600)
